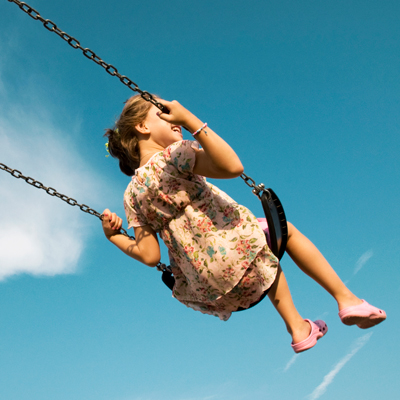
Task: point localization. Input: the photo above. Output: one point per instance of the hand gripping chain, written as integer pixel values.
(72, 202)
(110, 69)
(53, 192)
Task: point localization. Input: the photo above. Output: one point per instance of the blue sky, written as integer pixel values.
(307, 93)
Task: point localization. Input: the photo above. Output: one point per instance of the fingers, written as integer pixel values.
(178, 115)
(169, 105)
(164, 116)
(176, 111)
(111, 220)
(166, 103)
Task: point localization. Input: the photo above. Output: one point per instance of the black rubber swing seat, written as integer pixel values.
(277, 223)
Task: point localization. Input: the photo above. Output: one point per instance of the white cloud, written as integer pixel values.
(328, 379)
(39, 234)
(363, 260)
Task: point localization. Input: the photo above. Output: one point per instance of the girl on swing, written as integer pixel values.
(218, 251)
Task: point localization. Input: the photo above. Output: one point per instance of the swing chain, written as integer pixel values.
(162, 267)
(53, 192)
(257, 189)
(91, 55)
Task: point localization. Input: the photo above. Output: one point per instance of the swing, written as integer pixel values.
(271, 204)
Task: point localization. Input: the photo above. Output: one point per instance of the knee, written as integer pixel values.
(292, 231)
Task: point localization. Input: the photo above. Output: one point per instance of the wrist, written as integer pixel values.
(201, 129)
(193, 123)
(112, 235)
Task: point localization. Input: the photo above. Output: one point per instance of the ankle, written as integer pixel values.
(347, 299)
(300, 332)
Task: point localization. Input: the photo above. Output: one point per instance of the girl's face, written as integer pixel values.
(162, 132)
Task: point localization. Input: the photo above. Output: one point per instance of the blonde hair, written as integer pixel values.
(123, 143)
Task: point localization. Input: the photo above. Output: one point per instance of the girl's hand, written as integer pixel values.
(111, 223)
(217, 159)
(178, 115)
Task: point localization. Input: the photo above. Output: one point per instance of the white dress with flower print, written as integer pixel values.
(218, 252)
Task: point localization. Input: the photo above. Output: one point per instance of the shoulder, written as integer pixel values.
(181, 146)
(131, 189)
(181, 156)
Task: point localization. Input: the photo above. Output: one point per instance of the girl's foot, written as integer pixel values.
(316, 329)
(363, 315)
(302, 331)
(347, 300)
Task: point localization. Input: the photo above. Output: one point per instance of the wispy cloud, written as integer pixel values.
(363, 260)
(291, 362)
(328, 379)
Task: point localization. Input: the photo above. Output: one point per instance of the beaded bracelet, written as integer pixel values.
(199, 130)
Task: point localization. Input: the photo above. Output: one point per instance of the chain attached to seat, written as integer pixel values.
(257, 189)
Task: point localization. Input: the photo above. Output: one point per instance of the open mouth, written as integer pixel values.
(177, 129)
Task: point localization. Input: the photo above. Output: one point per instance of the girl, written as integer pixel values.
(218, 251)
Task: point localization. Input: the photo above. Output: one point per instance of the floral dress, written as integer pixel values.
(218, 252)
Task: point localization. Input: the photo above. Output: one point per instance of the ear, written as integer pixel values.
(142, 128)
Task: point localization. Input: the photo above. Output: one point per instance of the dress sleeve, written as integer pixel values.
(181, 156)
(134, 219)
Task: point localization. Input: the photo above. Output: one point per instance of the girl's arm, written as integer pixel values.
(144, 248)
(217, 159)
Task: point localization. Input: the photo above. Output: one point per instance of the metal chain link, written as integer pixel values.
(53, 192)
(257, 189)
(91, 55)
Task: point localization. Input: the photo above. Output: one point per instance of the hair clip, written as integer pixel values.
(108, 151)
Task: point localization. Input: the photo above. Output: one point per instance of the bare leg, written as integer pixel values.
(308, 258)
(281, 298)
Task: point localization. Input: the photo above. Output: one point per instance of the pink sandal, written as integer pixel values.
(318, 329)
(363, 315)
